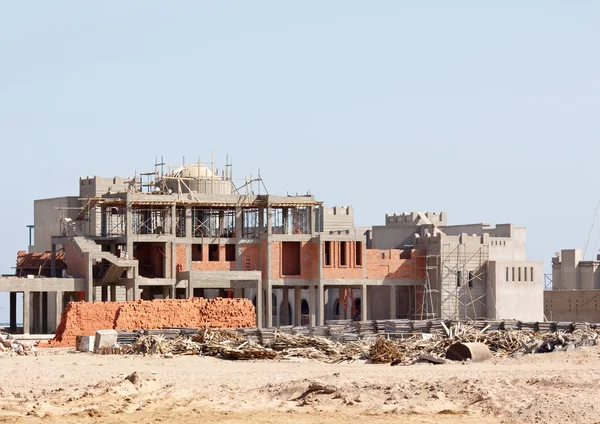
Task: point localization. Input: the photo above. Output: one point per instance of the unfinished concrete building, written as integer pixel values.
(191, 232)
(575, 290)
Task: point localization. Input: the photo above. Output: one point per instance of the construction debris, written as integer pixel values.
(246, 344)
(12, 347)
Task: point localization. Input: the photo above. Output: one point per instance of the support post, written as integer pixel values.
(321, 289)
(285, 305)
(58, 307)
(167, 292)
(89, 277)
(364, 301)
(342, 305)
(113, 293)
(259, 303)
(298, 306)
(26, 312)
(312, 307)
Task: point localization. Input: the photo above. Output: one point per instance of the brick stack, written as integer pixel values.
(195, 313)
(84, 318)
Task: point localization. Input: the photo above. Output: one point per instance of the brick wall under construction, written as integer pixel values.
(85, 318)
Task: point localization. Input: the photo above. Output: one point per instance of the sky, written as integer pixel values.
(488, 112)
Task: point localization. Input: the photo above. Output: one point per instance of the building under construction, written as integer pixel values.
(192, 232)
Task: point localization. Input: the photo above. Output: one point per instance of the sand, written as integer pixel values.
(61, 386)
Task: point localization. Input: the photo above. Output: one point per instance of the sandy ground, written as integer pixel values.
(61, 386)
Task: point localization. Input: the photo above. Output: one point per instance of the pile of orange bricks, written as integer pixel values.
(84, 318)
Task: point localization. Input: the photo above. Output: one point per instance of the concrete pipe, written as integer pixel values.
(476, 352)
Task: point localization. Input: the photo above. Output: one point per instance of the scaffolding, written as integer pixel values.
(463, 283)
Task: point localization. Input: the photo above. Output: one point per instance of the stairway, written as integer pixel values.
(84, 245)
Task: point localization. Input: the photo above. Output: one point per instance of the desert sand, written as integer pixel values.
(62, 386)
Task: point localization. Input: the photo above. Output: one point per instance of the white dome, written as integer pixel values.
(194, 171)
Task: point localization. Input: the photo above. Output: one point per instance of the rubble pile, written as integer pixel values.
(12, 347)
(230, 344)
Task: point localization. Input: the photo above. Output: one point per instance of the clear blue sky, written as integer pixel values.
(489, 113)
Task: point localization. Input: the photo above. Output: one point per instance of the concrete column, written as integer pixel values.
(269, 220)
(53, 261)
(173, 221)
(168, 292)
(259, 303)
(261, 220)
(285, 306)
(188, 222)
(312, 220)
(58, 306)
(393, 302)
(26, 312)
(297, 306)
(239, 228)
(312, 307)
(13, 311)
(89, 276)
(113, 293)
(285, 217)
(321, 289)
(129, 232)
(364, 301)
(269, 311)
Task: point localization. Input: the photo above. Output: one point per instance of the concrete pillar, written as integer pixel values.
(269, 311)
(239, 228)
(393, 300)
(364, 301)
(113, 293)
(173, 221)
(259, 303)
(312, 220)
(321, 289)
(129, 232)
(89, 276)
(312, 307)
(26, 312)
(297, 306)
(285, 315)
(58, 307)
(168, 292)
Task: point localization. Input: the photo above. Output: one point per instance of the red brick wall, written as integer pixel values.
(85, 318)
(181, 257)
(75, 263)
(336, 270)
(251, 257)
(206, 265)
(387, 264)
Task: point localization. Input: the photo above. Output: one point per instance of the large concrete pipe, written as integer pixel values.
(476, 352)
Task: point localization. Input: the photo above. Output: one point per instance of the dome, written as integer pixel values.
(197, 179)
(194, 171)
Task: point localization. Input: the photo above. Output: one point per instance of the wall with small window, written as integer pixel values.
(213, 257)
